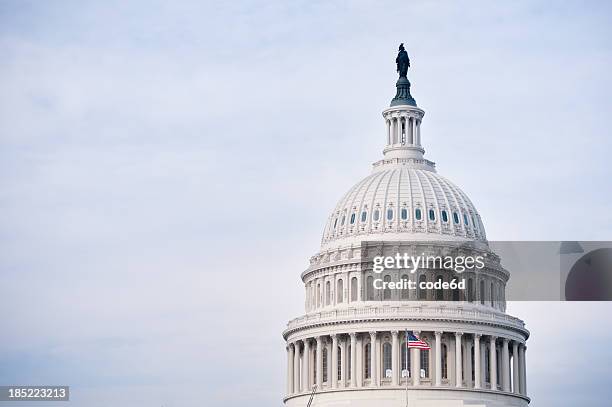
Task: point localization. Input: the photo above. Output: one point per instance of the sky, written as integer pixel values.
(166, 170)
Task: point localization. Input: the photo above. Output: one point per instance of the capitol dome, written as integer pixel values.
(351, 346)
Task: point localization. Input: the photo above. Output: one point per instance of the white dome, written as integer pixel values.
(387, 205)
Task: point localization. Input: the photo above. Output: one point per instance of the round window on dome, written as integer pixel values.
(404, 213)
(352, 218)
(389, 214)
(417, 214)
(456, 217)
(364, 216)
(432, 214)
(444, 216)
(376, 215)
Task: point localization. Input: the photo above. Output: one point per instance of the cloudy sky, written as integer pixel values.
(166, 171)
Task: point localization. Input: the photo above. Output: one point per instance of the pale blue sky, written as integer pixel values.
(151, 152)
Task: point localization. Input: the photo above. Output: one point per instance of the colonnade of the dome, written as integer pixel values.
(375, 359)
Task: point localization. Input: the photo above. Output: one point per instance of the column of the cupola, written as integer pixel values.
(296, 367)
(415, 368)
(306, 366)
(388, 128)
(523, 368)
(505, 366)
(493, 362)
(334, 361)
(290, 368)
(395, 358)
(458, 360)
(477, 372)
(515, 367)
(412, 140)
(438, 381)
(373, 351)
(353, 336)
(418, 132)
(319, 378)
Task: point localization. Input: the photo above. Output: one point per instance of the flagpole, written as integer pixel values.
(407, 368)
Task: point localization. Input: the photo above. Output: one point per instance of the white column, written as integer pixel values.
(416, 365)
(353, 336)
(418, 133)
(523, 368)
(438, 358)
(458, 364)
(319, 378)
(505, 366)
(330, 368)
(296, 367)
(388, 125)
(395, 358)
(493, 362)
(334, 361)
(289, 368)
(360, 363)
(399, 129)
(343, 363)
(306, 366)
(477, 373)
(373, 351)
(515, 367)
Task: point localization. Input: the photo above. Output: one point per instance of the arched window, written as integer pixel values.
(439, 291)
(432, 215)
(348, 362)
(352, 218)
(387, 360)
(456, 294)
(444, 216)
(470, 290)
(318, 295)
(364, 216)
(487, 365)
(417, 214)
(339, 367)
(340, 292)
(404, 214)
(482, 292)
(367, 360)
(354, 289)
(324, 364)
(444, 361)
(405, 359)
(422, 292)
(424, 363)
(473, 362)
(389, 214)
(387, 290)
(370, 288)
(491, 293)
(376, 215)
(335, 223)
(327, 292)
(405, 290)
(456, 217)
(465, 220)
(343, 220)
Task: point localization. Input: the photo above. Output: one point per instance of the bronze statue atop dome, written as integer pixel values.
(402, 61)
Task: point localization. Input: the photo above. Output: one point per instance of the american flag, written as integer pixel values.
(414, 342)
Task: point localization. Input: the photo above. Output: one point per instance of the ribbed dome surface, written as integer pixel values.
(413, 202)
